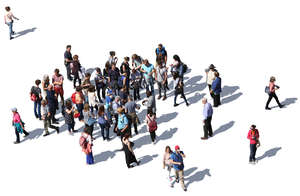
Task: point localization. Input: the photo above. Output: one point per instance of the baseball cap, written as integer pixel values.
(177, 147)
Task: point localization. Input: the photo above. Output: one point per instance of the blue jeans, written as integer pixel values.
(71, 127)
(150, 83)
(80, 108)
(104, 131)
(252, 152)
(37, 106)
(10, 26)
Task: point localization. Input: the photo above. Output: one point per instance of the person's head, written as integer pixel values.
(56, 72)
(129, 98)
(150, 111)
(86, 107)
(37, 82)
(98, 70)
(148, 93)
(120, 110)
(160, 46)
(175, 75)
(168, 149)
(252, 127)
(78, 89)
(204, 100)
(107, 65)
(176, 58)
(88, 75)
(177, 148)
(101, 110)
(113, 66)
(46, 78)
(50, 87)
(44, 102)
(272, 79)
(112, 53)
(68, 104)
(92, 88)
(126, 59)
(7, 8)
(86, 130)
(14, 110)
(117, 98)
(68, 48)
(212, 67)
(133, 70)
(217, 74)
(75, 57)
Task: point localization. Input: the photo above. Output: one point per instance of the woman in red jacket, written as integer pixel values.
(253, 136)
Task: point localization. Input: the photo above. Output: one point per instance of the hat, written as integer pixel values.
(212, 66)
(14, 109)
(177, 147)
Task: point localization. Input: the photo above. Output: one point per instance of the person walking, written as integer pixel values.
(178, 86)
(207, 117)
(167, 162)
(36, 97)
(103, 122)
(130, 109)
(210, 77)
(129, 154)
(178, 67)
(123, 123)
(19, 125)
(151, 105)
(52, 103)
(69, 117)
(75, 67)
(216, 89)
(272, 93)
(253, 136)
(148, 70)
(86, 144)
(67, 60)
(161, 76)
(177, 162)
(135, 83)
(46, 116)
(79, 98)
(152, 125)
(9, 20)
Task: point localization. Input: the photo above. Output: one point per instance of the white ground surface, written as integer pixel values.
(248, 41)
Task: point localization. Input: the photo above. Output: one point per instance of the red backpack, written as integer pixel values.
(152, 124)
(82, 142)
(73, 98)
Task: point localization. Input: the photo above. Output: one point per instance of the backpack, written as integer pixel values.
(185, 67)
(82, 142)
(73, 98)
(152, 124)
(163, 51)
(120, 81)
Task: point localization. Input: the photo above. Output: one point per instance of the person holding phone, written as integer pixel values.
(176, 160)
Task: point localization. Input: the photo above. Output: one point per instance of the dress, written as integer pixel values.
(130, 157)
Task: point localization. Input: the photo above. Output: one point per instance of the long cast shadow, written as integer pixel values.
(197, 177)
(270, 153)
(166, 134)
(287, 101)
(104, 156)
(21, 33)
(229, 90)
(35, 134)
(224, 127)
(147, 158)
(231, 98)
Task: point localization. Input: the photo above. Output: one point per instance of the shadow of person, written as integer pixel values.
(190, 171)
(35, 134)
(197, 177)
(287, 101)
(270, 153)
(196, 98)
(228, 90)
(166, 135)
(147, 158)
(21, 33)
(104, 156)
(166, 117)
(224, 127)
(231, 98)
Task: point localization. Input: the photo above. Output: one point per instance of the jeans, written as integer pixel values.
(37, 109)
(150, 84)
(80, 109)
(71, 127)
(10, 26)
(104, 131)
(252, 152)
(271, 95)
(161, 86)
(207, 127)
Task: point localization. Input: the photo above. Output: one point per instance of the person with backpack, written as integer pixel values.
(272, 93)
(9, 20)
(130, 109)
(135, 83)
(78, 98)
(152, 125)
(161, 52)
(67, 60)
(176, 160)
(210, 77)
(207, 117)
(46, 116)
(113, 78)
(253, 136)
(161, 76)
(103, 122)
(88, 119)
(69, 117)
(178, 67)
(128, 150)
(178, 87)
(167, 162)
(148, 70)
(100, 84)
(75, 69)
(52, 103)
(86, 144)
(57, 81)
(123, 123)
(36, 97)
(85, 86)
(216, 89)
(19, 125)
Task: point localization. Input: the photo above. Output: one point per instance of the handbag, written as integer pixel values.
(33, 97)
(91, 121)
(267, 90)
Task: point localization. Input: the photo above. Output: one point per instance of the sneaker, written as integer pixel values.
(16, 142)
(267, 108)
(187, 104)
(159, 97)
(281, 106)
(138, 163)
(46, 134)
(204, 138)
(177, 180)
(57, 130)
(26, 135)
(75, 131)
(185, 189)
(176, 104)
(164, 98)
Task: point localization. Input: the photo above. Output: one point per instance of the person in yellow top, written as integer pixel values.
(9, 19)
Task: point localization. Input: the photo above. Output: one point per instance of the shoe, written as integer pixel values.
(11, 38)
(267, 108)
(138, 163)
(55, 122)
(16, 142)
(46, 134)
(75, 131)
(57, 130)
(177, 180)
(108, 139)
(204, 138)
(176, 104)
(185, 189)
(187, 104)
(281, 106)
(159, 97)
(26, 135)
(164, 98)
(136, 133)
(210, 135)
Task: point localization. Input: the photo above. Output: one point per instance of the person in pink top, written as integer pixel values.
(253, 136)
(57, 80)
(18, 124)
(272, 89)
(167, 162)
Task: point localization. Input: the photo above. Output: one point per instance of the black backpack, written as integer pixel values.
(185, 67)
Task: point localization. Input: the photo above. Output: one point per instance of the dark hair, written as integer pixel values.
(75, 57)
(175, 75)
(148, 93)
(126, 136)
(56, 70)
(177, 58)
(217, 74)
(37, 82)
(160, 45)
(88, 74)
(112, 53)
(126, 58)
(68, 104)
(91, 88)
(101, 110)
(68, 46)
(107, 65)
(7, 8)
(253, 126)
(168, 147)
(78, 88)
(98, 70)
(150, 111)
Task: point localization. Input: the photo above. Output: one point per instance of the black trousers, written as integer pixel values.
(116, 121)
(18, 134)
(153, 136)
(68, 71)
(76, 77)
(207, 127)
(271, 95)
(136, 93)
(217, 100)
(252, 152)
(209, 88)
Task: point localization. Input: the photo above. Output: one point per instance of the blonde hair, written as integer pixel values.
(86, 107)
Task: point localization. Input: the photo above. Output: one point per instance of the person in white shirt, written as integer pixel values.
(210, 73)
(9, 19)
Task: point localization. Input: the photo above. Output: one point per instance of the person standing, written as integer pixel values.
(125, 68)
(46, 116)
(86, 144)
(93, 102)
(52, 103)
(177, 162)
(207, 117)
(148, 70)
(151, 105)
(161, 54)
(152, 125)
(272, 93)
(216, 89)
(85, 86)
(68, 59)
(129, 154)
(9, 20)
(178, 66)
(167, 162)
(135, 83)
(18, 124)
(57, 81)
(210, 77)
(112, 58)
(161, 76)
(69, 117)
(178, 87)
(79, 98)
(130, 109)
(100, 83)
(123, 124)
(36, 95)
(115, 105)
(103, 122)
(253, 136)
(75, 67)
(113, 77)
(45, 84)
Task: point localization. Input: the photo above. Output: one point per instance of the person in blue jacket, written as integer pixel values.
(161, 54)
(216, 89)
